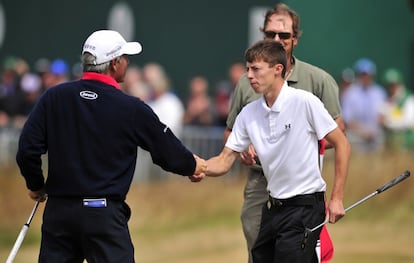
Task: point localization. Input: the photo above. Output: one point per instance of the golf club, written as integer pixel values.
(21, 236)
(386, 186)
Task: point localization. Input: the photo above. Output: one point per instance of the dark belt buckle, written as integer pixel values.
(274, 202)
(277, 202)
(94, 202)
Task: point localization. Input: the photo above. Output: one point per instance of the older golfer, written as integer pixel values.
(91, 130)
(284, 126)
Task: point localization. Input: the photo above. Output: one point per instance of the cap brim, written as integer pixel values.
(131, 48)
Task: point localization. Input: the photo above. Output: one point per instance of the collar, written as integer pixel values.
(101, 78)
(294, 75)
(281, 98)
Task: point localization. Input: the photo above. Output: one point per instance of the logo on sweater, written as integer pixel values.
(89, 95)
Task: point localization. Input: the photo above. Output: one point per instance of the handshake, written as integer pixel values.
(200, 170)
(221, 164)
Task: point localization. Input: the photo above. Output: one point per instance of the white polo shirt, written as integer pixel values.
(286, 140)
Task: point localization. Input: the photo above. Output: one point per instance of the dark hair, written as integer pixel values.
(269, 51)
(283, 9)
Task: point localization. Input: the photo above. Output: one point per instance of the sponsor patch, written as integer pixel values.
(89, 95)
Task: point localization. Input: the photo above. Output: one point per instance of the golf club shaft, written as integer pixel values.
(21, 236)
(386, 186)
(348, 208)
(17, 244)
(361, 201)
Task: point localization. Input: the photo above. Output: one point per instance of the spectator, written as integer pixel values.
(199, 108)
(59, 70)
(21, 67)
(347, 79)
(31, 89)
(398, 111)
(165, 104)
(42, 65)
(76, 71)
(10, 93)
(222, 98)
(236, 70)
(361, 105)
(224, 91)
(42, 68)
(134, 84)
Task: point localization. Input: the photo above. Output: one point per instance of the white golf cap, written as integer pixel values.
(106, 45)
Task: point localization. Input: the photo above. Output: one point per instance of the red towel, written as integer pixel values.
(327, 248)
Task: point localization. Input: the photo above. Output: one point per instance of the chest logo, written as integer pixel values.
(89, 95)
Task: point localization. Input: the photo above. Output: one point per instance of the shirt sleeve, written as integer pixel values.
(329, 95)
(239, 139)
(319, 117)
(32, 145)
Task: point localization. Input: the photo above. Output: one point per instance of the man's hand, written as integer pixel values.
(195, 178)
(248, 157)
(335, 211)
(200, 170)
(39, 195)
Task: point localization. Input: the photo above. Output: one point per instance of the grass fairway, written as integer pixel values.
(176, 221)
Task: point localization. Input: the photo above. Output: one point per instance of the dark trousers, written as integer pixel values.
(72, 232)
(282, 232)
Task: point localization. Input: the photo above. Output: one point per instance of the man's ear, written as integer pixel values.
(113, 64)
(278, 69)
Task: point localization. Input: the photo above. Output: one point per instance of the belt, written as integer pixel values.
(298, 200)
(95, 202)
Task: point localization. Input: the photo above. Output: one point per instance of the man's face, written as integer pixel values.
(282, 24)
(366, 79)
(261, 76)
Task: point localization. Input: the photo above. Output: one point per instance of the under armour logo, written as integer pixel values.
(287, 126)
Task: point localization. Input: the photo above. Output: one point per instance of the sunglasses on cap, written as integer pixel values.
(282, 35)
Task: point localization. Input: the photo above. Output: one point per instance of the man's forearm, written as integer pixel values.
(342, 155)
(221, 164)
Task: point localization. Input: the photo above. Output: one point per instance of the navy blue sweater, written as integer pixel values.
(90, 131)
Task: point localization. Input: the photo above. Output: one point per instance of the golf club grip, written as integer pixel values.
(395, 181)
(17, 244)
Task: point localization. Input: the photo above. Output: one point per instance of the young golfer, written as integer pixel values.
(284, 126)
(91, 131)
(282, 24)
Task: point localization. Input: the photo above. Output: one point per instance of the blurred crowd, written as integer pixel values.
(204, 104)
(21, 85)
(378, 109)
